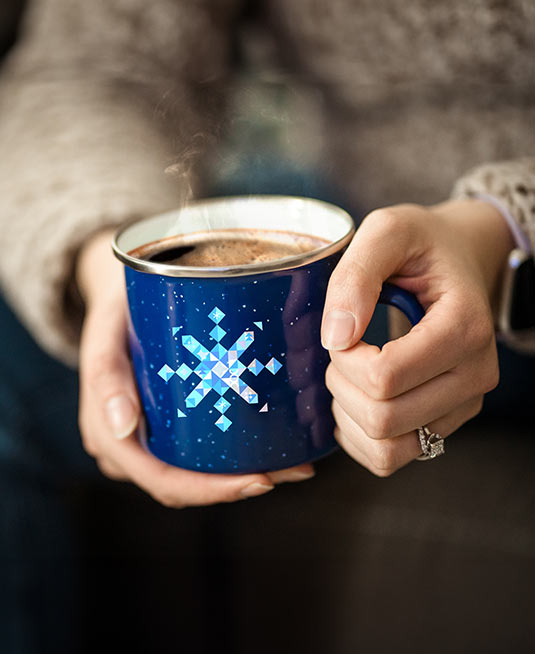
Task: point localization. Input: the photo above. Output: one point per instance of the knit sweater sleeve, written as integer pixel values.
(511, 185)
(96, 102)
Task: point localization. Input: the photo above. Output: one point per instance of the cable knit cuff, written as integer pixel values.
(511, 185)
(520, 237)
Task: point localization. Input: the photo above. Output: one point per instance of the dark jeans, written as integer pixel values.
(441, 552)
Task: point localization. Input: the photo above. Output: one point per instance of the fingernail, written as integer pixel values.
(121, 415)
(293, 475)
(338, 329)
(300, 476)
(256, 489)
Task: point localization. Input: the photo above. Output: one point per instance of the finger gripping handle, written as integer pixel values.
(402, 300)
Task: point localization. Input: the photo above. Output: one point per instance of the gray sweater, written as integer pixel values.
(419, 101)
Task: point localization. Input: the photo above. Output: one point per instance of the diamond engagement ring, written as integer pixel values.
(432, 444)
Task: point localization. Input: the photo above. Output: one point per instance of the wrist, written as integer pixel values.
(481, 228)
(519, 236)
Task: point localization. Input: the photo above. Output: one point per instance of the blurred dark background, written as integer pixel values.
(439, 556)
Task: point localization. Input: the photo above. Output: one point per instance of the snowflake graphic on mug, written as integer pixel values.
(219, 369)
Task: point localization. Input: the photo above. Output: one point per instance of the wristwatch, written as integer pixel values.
(516, 317)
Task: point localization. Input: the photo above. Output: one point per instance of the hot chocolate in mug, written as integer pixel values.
(228, 359)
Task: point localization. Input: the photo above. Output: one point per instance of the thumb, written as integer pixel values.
(377, 251)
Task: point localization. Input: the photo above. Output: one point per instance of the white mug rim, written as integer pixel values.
(288, 263)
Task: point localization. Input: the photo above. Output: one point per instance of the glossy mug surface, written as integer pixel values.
(228, 361)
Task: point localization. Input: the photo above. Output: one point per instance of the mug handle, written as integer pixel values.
(402, 300)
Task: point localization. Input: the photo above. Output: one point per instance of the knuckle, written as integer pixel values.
(379, 420)
(109, 470)
(338, 275)
(342, 419)
(475, 409)
(381, 381)
(87, 441)
(479, 328)
(167, 499)
(408, 216)
(345, 282)
(89, 446)
(329, 375)
(83, 426)
(382, 473)
(492, 379)
(384, 459)
(101, 370)
(485, 338)
(102, 467)
(386, 217)
(486, 375)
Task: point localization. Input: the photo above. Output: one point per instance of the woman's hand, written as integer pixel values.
(110, 411)
(451, 257)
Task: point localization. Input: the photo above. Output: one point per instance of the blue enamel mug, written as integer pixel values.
(228, 360)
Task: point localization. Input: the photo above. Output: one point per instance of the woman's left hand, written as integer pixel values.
(451, 257)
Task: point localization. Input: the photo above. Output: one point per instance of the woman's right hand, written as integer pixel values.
(110, 411)
(451, 256)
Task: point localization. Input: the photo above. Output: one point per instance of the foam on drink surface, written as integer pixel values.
(229, 247)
